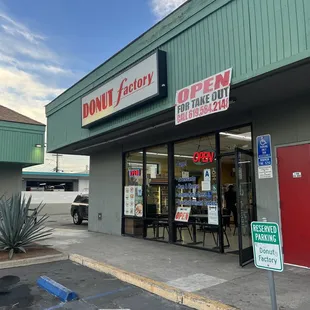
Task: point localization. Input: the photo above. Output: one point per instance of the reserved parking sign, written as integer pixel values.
(267, 246)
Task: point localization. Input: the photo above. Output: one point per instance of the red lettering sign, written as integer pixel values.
(134, 173)
(213, 83)
(98, 104)
(182, 214)
(203, 157)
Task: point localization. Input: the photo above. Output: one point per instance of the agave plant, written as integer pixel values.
(19, 226)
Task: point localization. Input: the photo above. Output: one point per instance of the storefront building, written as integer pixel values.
(188, 109)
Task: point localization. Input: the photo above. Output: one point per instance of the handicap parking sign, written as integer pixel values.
(264, 154)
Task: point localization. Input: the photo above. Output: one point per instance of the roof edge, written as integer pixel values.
(60, 174)
(24, 126)
(49, 108)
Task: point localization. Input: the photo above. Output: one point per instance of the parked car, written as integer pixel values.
(79, 209)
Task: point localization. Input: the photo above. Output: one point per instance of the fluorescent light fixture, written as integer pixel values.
(162, 154)
(235, 136)
(38, 145)
(244, 162)
(156, 154)
(183, 156)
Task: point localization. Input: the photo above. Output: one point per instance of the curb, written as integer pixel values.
(33, 261)
(152, 286)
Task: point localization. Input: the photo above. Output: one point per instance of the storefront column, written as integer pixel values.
(123, 195)
(144, 193)
(219, 192)
(171, 193)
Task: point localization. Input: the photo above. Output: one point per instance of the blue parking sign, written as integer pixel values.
(264, 152)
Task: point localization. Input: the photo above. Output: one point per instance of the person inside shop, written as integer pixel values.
(231, 203)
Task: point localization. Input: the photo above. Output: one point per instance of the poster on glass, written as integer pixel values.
(133, 201)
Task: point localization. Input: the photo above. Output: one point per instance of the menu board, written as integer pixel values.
(133, 201)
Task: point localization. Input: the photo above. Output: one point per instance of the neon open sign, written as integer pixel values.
(135, 173)
(203, 157)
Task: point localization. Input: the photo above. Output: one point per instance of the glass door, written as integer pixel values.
(246, 206)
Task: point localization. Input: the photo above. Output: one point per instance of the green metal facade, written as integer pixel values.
(201, 38)
(17, 143)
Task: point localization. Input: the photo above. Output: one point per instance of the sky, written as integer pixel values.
(47, 46)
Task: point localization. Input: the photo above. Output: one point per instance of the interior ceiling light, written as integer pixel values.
(163, 154)
(183, 156)
(235, 136)
(158, 154)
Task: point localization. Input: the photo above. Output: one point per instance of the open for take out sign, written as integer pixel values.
(267, 246)
(202, 98)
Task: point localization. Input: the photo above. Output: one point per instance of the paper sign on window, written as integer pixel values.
(182, 214)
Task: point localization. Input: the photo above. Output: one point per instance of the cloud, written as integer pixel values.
(33, 66)
(18, 29)
(31, 73)
(21, 48)
(24, 93)
(162, 8)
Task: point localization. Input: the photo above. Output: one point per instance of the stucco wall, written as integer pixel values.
(287, 123)
(83, 185)
(106, 191)
(56, 203)
(10, 179)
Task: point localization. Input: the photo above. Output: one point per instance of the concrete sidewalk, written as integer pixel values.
(210, 275)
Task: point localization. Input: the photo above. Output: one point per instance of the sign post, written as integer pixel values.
(268, 252)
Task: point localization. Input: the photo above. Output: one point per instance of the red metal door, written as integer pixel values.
(294, 175)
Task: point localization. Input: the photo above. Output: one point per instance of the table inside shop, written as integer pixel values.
(201, 223)
(160, 219)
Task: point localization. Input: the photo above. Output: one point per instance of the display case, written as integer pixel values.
(158, 195)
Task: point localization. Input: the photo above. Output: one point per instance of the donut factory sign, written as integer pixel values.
(139, 84)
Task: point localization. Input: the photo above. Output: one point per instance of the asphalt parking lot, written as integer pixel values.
(18, 290)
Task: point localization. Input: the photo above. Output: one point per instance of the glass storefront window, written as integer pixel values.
(196, 194)
(235, 138)
(133, 194)
(157, 193)
(203, 189)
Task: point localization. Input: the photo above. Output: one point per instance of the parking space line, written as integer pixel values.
(56, 307)
(107, 293)
(122, 289)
